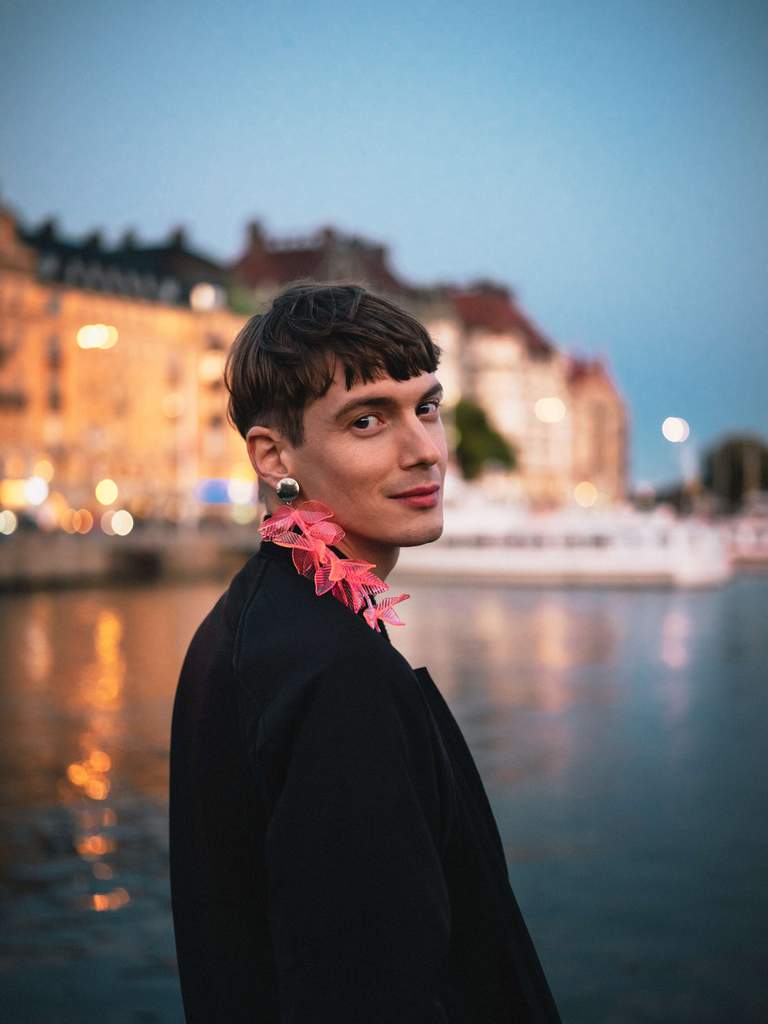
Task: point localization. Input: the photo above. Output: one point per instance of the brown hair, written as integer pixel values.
(285, 358)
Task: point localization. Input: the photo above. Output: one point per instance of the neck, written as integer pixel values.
(383, 556)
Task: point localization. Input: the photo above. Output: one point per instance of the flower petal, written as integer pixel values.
(371, 618)
(294, 540)
(282, 519)
(323, 581)
(303, 561)
(313, 512)
(308, 533)
(327, 532)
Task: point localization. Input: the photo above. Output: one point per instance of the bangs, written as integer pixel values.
(363, 364)
(286, 358)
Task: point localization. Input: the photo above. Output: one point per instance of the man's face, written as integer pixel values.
(363, 447)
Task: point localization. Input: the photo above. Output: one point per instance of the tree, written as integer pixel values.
(734, 467)
(478, 444)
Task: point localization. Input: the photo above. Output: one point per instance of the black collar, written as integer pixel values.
(268, 547)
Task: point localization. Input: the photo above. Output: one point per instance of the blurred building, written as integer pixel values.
(266, 265)
(110, 369)
(599, 431)
(111, 364)
(563, 416)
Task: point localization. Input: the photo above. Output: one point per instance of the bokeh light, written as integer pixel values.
(109, 900)
(550, 409)
(240, 491)
(585, 494)
(97, 336)
(205, 296)
(8, 522)
(106, 491)
(35, 490)
(243, 514)
(84, 520)
(675, 429)
(122, 522)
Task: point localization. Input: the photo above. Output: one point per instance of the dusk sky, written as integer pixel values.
(608, 161)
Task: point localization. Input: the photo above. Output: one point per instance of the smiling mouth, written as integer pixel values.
(420, 497)
(418, 492)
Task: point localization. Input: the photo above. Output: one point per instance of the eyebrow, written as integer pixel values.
(382, 402)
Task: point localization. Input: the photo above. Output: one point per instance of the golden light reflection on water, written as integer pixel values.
(35, 648)
(110, 900)
(94, 846)
(102, 677)
(523, 651)
(98, 697)
(92, 670)
(553, 630)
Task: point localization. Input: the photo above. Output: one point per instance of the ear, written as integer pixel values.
(267, 451)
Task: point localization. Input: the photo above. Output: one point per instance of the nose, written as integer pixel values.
(422, 443)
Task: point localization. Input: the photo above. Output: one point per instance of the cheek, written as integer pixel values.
(347, 476)
(362, 478)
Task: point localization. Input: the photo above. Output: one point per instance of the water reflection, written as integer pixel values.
(512, 664)
(35, 642)
(620, 735)
(529, 647)
(83, 801)
(675, 638)
(96, 699)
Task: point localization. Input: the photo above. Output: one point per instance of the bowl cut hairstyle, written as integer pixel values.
(286, 358)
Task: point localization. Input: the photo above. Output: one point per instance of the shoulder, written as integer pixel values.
(284, 626)
(292, 647)
(308, 666)
(273, 643)
(275, 629)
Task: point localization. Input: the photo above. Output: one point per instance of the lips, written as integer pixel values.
(415, 492)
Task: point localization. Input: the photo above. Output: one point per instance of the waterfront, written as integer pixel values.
(620, 734)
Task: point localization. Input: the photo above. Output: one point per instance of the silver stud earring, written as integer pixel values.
(287, 489)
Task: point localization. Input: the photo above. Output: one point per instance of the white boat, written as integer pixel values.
(617, 545)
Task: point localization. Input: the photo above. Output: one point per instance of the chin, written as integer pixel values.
(421, 533)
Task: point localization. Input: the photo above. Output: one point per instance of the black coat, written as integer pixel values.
(334, 858)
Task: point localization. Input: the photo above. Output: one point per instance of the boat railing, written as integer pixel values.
(676, 536)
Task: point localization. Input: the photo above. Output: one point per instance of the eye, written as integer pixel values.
(432, 405)
(361, 423)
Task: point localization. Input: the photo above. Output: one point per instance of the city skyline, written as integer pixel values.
(606, 163)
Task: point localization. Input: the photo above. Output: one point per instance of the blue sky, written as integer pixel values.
(608, 161)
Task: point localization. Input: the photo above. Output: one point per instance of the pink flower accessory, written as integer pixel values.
(307, 531)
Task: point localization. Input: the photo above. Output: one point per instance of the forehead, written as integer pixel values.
(338, 395)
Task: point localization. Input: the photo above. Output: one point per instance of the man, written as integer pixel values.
(334, 858)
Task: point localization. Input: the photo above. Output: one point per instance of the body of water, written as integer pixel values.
(621, 735)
